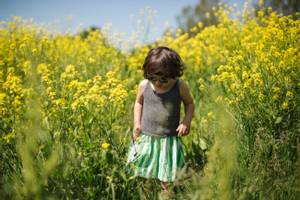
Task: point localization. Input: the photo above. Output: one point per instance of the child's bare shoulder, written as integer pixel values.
(183, 85)
(185, 92)
(143, 84)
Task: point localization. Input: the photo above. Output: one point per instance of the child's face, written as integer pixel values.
(158, 81)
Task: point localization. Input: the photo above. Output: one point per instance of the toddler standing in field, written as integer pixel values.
(156, 151)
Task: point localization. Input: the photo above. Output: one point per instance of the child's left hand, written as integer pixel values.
(183, 129)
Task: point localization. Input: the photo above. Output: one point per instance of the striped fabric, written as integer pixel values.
(156, 157)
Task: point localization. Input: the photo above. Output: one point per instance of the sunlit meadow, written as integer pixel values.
(66, 111)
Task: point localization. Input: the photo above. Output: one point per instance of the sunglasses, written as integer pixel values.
(161, 80)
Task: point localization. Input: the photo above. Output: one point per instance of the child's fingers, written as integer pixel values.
(183, 129)
(185, 132)
(180, 131)
(136, 135)
(137, 131)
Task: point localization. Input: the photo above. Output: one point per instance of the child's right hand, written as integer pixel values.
(136, 132)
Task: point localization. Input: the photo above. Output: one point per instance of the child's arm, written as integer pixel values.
(189, 107)
(138, 109)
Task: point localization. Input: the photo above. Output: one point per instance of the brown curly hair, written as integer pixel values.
(163, 61)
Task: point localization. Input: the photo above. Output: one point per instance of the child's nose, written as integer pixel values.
(157, 82)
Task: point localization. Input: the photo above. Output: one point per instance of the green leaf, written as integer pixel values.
(203, 144)
(278, 120)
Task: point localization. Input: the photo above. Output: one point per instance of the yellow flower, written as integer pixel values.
(105, 146)
(210, 115)
(2, 98)
(276, 89)
(261, 97)
(22, 46)
(233, 86)
(219, 99)
(285, 105)
(202, 87)
(289, 94)
(200, 24)
(275, 97)
(42, 68)
(91, 60)
(59, 102)
(9, 136)
(207, 15)
(261, 3)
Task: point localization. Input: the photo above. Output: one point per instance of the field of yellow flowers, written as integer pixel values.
(66, 111)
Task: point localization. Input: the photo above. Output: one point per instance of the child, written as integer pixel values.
(156, 150)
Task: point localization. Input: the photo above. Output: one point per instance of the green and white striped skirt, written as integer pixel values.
(156, 157)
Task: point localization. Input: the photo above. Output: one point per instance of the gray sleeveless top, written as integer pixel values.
(161, 111)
